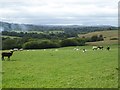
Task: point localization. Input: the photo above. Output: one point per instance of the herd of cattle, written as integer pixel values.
(100, 47)
(10, 53)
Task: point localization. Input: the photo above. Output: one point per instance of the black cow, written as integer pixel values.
(100, 47)
(7, 54)
(108, 48)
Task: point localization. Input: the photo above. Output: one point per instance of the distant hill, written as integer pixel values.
(110, 37)
(4, 26)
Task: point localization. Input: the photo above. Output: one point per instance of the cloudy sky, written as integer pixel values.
(77, 12)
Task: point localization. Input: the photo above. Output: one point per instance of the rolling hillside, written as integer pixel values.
(110, 37)
(5, 26)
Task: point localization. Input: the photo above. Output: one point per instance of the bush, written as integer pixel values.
(94, 38)
(69, 42)
(10, 43)
(40, 45)
(81, 41)
(100, 38)
(31, 45)
(97, 38)
(113, 38)
(48, 44)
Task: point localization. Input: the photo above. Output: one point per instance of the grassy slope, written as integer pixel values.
(63, 68)
(107, 34)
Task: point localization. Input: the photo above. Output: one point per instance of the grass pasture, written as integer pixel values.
(62, 68)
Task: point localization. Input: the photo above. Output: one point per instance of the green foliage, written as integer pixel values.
(31, 45)
(69, 42)
(73, 42)
(40, 45)
(81, 41)
(9, 43)
(94, 38)
(35, 40)
(40, 35)
(97, 38)
(49, 44)
(100, 38)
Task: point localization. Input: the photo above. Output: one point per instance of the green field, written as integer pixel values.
(62, 68)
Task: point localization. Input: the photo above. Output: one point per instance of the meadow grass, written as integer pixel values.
(65, 68)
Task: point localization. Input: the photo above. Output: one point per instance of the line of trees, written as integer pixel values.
(40, 35)
(10, 43)
(36, 43)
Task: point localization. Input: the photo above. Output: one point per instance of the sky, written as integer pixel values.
(60, 12)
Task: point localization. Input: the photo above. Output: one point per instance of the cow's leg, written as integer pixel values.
(2, 58)
(8, 58)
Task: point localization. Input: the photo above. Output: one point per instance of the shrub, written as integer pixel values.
(100, 38)
(94, 38)
(40, 45)
(81, 41)
(48, 44)
(69, 42)
(31, 45)
(9, 43)
(113, 38)
(97, 38)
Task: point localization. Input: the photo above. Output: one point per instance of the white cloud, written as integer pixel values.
(59, 11)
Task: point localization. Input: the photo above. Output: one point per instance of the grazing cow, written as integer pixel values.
(84, 50)
(21, 49)
(15, 49)
(97, 47)
(100, 47)
(7, 54)
(76, 49)
(94, 48)
(108, 48)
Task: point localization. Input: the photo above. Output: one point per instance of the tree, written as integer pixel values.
(94, 38)
(8, 44)
(31, 45)
(101, 38)
(69, 42)
(48, 44)
(97, 38)
(81, 41)
(40, 45)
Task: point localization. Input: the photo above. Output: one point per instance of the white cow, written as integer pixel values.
(94, 47)
(84, 50)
